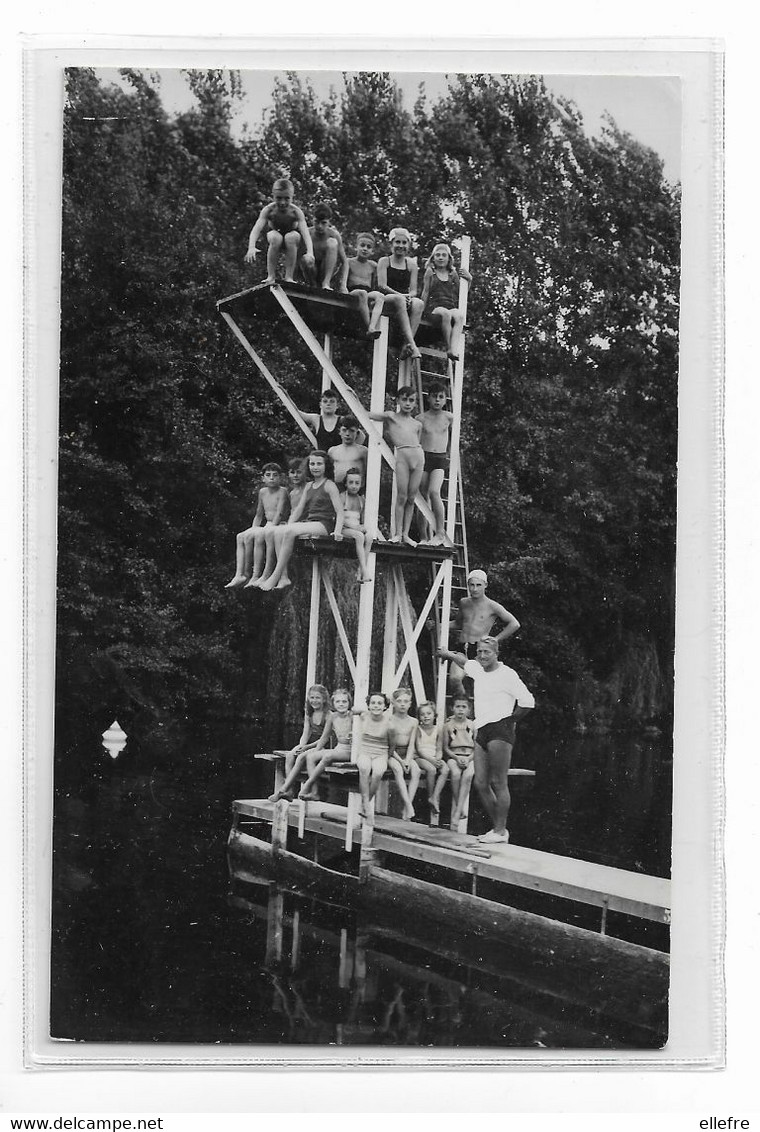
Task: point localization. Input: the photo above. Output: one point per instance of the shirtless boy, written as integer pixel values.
(434, 439)
(270, 511)
(361, 280)
(329, 253)
(353, 521)
(285, 226)
(404, 434)
(475, 620)
(348, 454)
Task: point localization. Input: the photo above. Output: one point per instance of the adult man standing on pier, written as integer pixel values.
(501, 699)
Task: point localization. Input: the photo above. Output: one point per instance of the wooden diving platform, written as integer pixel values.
(325, 312)
(607, 888)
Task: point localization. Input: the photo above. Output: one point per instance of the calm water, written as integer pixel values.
(154, 941)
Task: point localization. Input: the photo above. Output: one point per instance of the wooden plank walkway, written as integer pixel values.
(602, 886)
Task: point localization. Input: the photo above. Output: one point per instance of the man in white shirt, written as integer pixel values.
(501, 699)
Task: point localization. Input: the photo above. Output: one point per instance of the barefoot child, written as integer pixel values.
(434, 439)
(315, 717)
(339, 726)
(402, 763)
(353, 522)
(440, 297)
(285, 226)
(348, 454)
(360, 284)
(329, 254)
(318, 514)
(296, 479)
(272, 503)
(375, 747)
(404, 434)
(397, 281)
(428, 753)
(458, 746)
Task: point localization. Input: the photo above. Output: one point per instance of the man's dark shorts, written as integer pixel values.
(503, 730)
(470, 650)
(436, 461)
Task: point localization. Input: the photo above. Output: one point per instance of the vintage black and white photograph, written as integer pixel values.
(366, 550)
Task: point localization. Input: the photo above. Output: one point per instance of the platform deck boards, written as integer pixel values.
(587, 882)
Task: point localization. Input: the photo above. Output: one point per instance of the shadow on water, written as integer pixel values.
(153, 942)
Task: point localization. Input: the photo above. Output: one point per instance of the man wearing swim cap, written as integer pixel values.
(477, 618)
(501, 699)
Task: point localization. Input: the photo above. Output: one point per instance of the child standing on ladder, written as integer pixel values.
(402, 762)
(353, 522)
(317, 515)
(397, 281)
(440, 297)
(285, 226)
(404, 434)
(434, 438)
(272, 502)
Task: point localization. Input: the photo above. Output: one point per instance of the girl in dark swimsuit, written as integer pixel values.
(318, 513)
(397, 281)
(440, 297)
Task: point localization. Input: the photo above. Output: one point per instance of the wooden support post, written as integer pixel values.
(328, 353)
(390, 638)
(381, 798)
(352, 814)
(603, 928)
(314, 607)
(301, 818)
(279, 775)
(368, 854)
(474, 882)
(315, 854)
(280, 825)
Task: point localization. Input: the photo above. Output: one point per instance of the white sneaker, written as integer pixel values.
(492, 837)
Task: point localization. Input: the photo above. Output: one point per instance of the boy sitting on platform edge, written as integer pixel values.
(270, 512)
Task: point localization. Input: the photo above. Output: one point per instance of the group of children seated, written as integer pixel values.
(390, 738)
(388, 285)
(324, 496)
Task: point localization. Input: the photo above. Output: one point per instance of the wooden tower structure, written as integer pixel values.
(320, 318)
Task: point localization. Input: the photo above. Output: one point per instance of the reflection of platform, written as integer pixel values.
(608, 888)
(325, 312)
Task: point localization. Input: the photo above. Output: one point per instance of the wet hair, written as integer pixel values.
(271, 467)
(427, 703)
(282, 185)
(348, 422)
(329, 466)
(297, 463)
(323, 212)
(354, 472)
(491, 642)
(450, 265)
(435, 387)
(366, 236)
(324, 693)
(402, 691)
(345, 692)
(329, 392)
(406, 391)
(381, 694)
(460, 699)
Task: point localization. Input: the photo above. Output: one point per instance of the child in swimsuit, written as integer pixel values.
(315, 721)
(402, 762)
(428, 753)
(458, 748)
(353, 522)
(397, 281)
(330, 259)
(404, 434)
(339, 725)
(361, 280)
(250, 543)
(285, 226)
(434, 438)
(440, 297)
(375, 747)
(318, 514)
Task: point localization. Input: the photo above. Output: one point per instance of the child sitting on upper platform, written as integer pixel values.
(285, 226)
(330, 259)
(271, 510)
(397, 281)
(404, 434)
(361, 282)
(440, 297)
(353, 522)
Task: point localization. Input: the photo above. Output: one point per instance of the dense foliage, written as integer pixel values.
(569, 431)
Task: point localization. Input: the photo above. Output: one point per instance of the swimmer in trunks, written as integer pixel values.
(362, 270)
(404, 435)
(434, 438)
(477, 617)
(285, 226)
